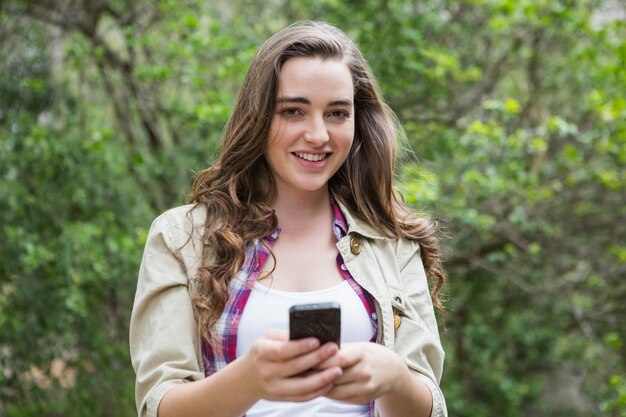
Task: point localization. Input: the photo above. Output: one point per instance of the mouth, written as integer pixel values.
(312, 157)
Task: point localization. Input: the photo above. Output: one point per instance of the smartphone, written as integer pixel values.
(321, 320)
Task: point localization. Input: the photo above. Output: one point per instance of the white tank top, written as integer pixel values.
(268, 308)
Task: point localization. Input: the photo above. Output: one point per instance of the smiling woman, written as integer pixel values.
(312, 127)
(299, 208)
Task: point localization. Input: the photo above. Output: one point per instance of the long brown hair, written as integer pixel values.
(236, 190)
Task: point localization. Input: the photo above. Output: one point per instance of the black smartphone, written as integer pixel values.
(321, 320)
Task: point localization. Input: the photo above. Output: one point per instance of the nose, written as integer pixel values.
(316, 131)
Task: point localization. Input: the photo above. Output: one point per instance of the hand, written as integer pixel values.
(370, 371)
(275, 368)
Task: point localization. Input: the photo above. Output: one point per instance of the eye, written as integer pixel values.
(291, 112)
(339, 114)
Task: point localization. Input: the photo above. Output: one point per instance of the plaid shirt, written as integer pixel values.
(239, 291)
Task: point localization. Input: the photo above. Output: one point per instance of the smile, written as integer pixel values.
(311, 156)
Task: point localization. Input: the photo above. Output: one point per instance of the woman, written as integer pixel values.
(299, 207)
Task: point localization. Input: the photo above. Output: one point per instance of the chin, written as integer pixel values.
(313, 187)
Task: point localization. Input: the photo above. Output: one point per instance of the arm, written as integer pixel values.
(166, 353)
(404, 381)
(164, 345)
(374, 372)
(267, 371)
(410, 397)
(417, 337)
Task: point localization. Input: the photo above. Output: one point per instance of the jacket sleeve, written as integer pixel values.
(417, 337)
(164, 345)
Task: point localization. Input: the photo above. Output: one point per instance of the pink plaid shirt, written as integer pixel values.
(241, 286)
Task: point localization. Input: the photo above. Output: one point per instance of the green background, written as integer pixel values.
(515, 142)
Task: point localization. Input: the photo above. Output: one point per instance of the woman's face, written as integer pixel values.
(312, 128)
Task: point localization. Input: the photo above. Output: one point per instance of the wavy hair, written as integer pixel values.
(237, 189)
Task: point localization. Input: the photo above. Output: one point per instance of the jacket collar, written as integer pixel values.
(357, 226)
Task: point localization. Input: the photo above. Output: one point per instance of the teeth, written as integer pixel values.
(311, 157)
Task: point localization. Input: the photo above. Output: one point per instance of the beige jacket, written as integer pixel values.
(165, 346)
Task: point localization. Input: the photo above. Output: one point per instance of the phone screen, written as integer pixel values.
(320, 320)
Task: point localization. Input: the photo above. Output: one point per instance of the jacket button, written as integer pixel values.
(396, 321)
(355, 246)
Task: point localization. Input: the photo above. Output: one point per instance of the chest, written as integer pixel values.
(302, 265)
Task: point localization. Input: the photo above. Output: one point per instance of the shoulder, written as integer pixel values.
(405, 251)
(179, 224)
(182, 216)
(179, 232)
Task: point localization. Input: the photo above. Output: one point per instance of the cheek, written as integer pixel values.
(347, 138)
(274, 143)
(277, 126)
(272, 134)
(345, 149)
(281, 134)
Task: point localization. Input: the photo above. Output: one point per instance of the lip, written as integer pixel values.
(310, 158)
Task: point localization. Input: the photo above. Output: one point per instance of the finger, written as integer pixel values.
(348, 376)
(308, 361)
(277, 334)
(352, 393)
(342, 359)
(304, 388)
(274, 350)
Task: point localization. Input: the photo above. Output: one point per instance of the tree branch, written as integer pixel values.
(491, 77)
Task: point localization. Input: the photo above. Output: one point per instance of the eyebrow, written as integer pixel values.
(303, 100)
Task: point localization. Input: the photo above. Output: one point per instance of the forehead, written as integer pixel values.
(306, 76)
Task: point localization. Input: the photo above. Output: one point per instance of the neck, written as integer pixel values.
(296, 212)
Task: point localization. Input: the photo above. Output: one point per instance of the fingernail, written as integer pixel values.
(331, 348)
(313, 343)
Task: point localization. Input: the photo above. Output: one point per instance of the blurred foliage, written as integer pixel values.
(515, 121)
